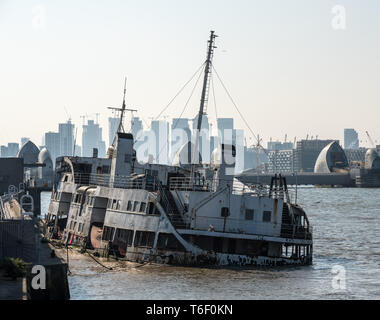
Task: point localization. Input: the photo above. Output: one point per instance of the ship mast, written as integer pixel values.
(204, 98)
(122, 110)
(121, 127)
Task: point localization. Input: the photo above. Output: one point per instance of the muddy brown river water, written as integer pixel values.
(346, 262)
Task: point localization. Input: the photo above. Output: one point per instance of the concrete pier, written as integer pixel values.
(20, 238)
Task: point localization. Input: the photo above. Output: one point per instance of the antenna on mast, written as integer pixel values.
(121, 127)
(122, 109)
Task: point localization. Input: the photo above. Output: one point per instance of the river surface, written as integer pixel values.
(346, 263)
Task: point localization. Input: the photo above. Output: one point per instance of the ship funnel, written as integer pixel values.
(123, 156)
(224, 159)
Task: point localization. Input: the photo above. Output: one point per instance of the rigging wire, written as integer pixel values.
(185, 107)
(246, 123)
(237, 109)
(214, 98)
(178, 93)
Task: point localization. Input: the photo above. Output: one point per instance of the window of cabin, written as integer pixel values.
(136, 206)
(143, 207)
(125, 236)
(144, 239)
(114, 204)
(169, 242)
(225, 212)
(109, 204)
(129, 207)
(118, 205)
(249, 213)
(151, 208)
(106, 169)
(267, 215)
(108, 233)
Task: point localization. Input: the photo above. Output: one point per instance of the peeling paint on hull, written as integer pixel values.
(211, 260)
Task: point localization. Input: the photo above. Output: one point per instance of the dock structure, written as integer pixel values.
(20, 237)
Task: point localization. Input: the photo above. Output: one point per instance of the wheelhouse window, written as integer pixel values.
(129, 207)
(267, 215)
(249, 214)
(143, 207)
(77, 198)
(118, 205)
(151, 208)
(136, 206)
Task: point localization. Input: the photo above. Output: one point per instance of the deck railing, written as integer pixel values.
(116, 181)
(237, 187)
(182, 184)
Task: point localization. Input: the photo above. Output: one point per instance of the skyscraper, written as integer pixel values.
(307, 152)
(52, 143)
(136, 126)
(226, 131)
(278, 146)
(161, 131)
(13, 149)
(3, 151)
(91, 139)
(66, 138)
(24, 140)
(10, 151)
(113, 124)
(180, 134)
(351, 139)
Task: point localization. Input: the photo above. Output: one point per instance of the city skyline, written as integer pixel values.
(163, 142)
(54, 58)
(108, 131)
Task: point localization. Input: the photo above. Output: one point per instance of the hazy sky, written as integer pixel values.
(287, 68)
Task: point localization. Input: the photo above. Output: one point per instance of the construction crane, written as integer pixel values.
(68, 116)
